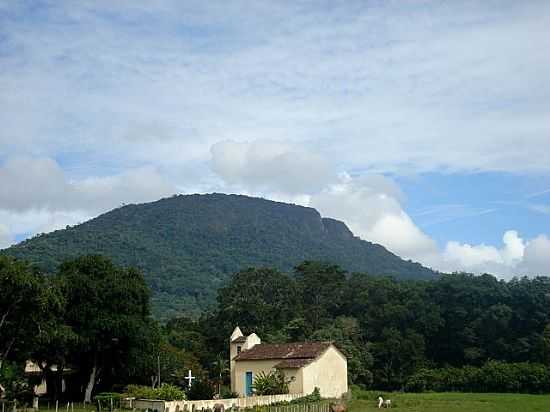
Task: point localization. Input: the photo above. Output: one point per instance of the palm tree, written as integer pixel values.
(220, 369)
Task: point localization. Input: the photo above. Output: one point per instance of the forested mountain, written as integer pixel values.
(188, 245)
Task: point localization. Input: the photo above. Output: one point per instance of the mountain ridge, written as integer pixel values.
(188, 245)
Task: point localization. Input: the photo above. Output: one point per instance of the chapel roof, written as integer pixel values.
(294, 363)
(297, 350)
(240, 339)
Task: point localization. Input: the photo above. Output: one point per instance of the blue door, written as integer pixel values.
(248, 386)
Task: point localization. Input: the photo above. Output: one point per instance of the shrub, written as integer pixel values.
(272, 383)
(226, 393)
(200, 390)
(165, 392)
(314, 396)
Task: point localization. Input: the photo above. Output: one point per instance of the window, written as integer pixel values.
(238, 350)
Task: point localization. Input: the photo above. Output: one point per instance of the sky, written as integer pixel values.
(425, 126)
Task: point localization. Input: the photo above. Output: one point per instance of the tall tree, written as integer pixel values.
(25, 305)
(108, 310)
(261, 300)
(322, 288)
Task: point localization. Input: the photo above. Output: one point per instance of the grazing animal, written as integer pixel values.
(384, 403)
(338, 407)
(219, 407)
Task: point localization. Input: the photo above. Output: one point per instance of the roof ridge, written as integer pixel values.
(290, 350)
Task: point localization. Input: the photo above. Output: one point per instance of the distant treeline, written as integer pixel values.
(493, 376)
(458, 332)
(392, 330)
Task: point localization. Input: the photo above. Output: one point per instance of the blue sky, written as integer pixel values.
(490, 203)
(423, 125)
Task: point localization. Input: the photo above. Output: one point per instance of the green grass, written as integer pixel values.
(365, 401)
(459, 402)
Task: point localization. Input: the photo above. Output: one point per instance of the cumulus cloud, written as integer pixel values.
(37, 196)
(40, 183)
(275, 165)
(516, 257)
(384, 92)
(6, 238)
(371, 207)
(537, 256)
(387, 80)
(485, 258)
(33, 183)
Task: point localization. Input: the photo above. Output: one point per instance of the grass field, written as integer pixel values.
(459, 402)
(365, 401)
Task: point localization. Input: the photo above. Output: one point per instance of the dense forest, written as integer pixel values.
(456, 332)
(187, 246)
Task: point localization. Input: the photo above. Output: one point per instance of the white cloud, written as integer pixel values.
(32, 222)
(37, 196)
(33, 183)
(272, 165)
(371, 207)
(364, 83)
(389, 88)
(485, 258)
(6, 238)
(537, 256)
(40, 183)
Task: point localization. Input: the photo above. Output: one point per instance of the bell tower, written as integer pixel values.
(239, 343)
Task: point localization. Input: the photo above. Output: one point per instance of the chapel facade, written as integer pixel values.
(307, 365)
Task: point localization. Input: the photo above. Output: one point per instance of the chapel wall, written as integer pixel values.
(329, 373)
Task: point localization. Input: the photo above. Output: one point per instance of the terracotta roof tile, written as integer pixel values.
(298, 350)
(294, 363)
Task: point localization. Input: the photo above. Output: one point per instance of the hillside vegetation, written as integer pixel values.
(186, 246)
(458, 332)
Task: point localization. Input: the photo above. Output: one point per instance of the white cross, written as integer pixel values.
(190, 378)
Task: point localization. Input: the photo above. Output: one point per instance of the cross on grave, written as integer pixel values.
(190, 378)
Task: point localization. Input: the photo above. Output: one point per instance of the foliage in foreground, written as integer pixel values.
(200, 389)
(165, 392)
(272, 383)
(395, 334)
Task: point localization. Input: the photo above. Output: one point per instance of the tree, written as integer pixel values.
(26, 303)
(321, 286)
(221, 367)
(108, 310)
(262, 300)
(545, 346)
(348, 337)
(55, 343)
